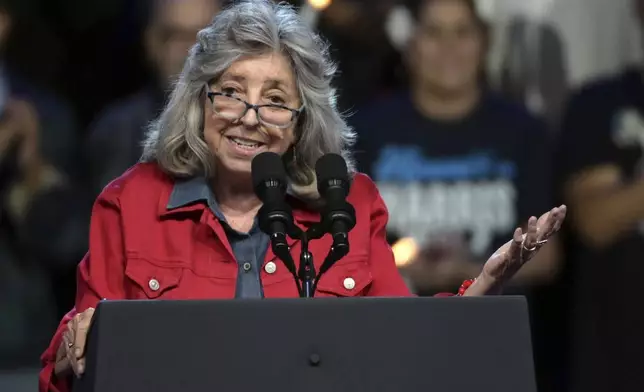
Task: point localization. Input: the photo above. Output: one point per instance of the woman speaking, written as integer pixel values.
(182, 223)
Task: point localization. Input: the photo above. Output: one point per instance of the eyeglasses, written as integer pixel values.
(233, 108)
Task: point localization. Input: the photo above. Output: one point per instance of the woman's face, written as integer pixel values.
(266, 79)
(447, 47)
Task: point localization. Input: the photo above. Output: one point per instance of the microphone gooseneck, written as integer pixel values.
(275, 216)
(338, 216)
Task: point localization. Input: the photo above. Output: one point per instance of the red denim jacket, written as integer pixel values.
(139, 249)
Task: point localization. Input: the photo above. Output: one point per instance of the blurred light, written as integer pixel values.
(405, 251)
(319, 4)
(399, 26)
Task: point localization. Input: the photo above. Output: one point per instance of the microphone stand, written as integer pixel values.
(306, 273)
(307, 268)
(306, 278)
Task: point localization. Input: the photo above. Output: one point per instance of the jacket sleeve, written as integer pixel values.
(100, 276)
(47, 380)
(387, 281)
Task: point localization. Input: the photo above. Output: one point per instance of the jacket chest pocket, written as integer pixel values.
(151, 281)
(348, 278)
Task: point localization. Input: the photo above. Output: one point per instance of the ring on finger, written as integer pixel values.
(70, 345)
(535, 246)
(530, 249)
(525, 247)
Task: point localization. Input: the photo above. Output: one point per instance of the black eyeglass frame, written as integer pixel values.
(295, 112)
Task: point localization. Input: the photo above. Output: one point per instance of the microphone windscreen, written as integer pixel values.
(267, 166)
(331, 167)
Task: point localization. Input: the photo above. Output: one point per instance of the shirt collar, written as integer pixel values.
(191, 191)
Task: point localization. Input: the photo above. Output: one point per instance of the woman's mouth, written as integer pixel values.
(245, 145)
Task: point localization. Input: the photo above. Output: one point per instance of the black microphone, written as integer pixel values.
(275, 216)
(338, 216)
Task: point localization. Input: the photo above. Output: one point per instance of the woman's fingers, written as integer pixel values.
(75, 338)
(82, 326)
(515, 248)
(561, 216)
(551, 222)
(531, 237)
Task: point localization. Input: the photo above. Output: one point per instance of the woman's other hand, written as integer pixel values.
(510, 257)
(71, 353)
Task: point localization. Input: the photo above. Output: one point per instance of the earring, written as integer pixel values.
(294, 155)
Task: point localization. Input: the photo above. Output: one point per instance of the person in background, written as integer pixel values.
(182, 223)
(602, 164)
(37, 151)
(368, 64)
(57, 121)
(458, 165)
(25, 179)
(114, 142)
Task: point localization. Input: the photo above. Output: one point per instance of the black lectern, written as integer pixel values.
(326, 345)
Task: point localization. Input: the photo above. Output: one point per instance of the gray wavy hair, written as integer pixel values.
(252, 27)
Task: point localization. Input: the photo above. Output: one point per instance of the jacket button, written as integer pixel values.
(270, 267)
(153, 284)
(349, 283)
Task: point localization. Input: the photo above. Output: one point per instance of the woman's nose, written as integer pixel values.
(250, 118)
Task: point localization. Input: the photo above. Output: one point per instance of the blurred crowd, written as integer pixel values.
(471, 116)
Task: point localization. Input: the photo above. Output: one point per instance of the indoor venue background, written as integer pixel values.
(80, 79)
